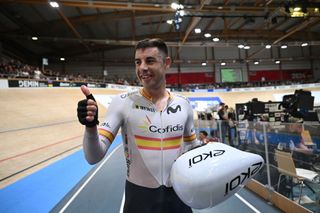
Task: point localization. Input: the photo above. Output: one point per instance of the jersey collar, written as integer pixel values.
(145, 94)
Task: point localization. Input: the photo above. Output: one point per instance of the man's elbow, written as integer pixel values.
(93, 160)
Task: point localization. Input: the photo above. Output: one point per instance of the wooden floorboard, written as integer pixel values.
(38, 126)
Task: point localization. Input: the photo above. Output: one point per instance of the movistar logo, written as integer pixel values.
(169, 128)
(173, 110)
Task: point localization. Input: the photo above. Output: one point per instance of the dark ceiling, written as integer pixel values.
(81, 27)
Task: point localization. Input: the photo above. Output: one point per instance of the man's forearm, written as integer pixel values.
(94, 149)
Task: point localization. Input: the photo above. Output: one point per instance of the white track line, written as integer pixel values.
(122, 203)
(238, 196)
(87, 181)
(247, 203)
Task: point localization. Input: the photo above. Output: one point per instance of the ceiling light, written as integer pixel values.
(170, 21)
(176, 6)
(297, 14)
(223, 63)
(215, 39)
(277, 62)
(297, 9)
(181, 12)
(197, 30)
(240, 46)
(304, 44)
(284, 46)
(246, 47)
(256, 62)
(34, 38)
(268, 46)
(54, 4)
(204, 64)
(207, 35)
(62, 59)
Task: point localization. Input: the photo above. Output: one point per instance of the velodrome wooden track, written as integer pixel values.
(39, 125)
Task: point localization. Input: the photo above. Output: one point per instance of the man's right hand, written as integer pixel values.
(87, 110)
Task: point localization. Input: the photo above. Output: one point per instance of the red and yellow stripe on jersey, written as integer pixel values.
(190, 138)
(106, 134)
(158, 143)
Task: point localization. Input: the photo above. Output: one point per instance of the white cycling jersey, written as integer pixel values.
(152, 139)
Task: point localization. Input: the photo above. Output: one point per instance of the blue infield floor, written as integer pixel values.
(42, 190)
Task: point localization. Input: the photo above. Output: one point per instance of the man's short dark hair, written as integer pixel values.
(154, 42)
(204, 132)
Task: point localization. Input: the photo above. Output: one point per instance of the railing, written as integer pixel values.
(301, 141)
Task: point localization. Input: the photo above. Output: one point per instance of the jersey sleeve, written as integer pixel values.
(97, 141)
(189, 137)
(114, 119)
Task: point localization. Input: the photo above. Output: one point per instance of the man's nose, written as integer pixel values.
(143, 65)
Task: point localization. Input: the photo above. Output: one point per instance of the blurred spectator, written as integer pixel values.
(223, 124)
(37, 74)
(232, 126)
(203, 137)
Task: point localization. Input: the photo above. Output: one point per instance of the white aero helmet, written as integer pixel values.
(206, 176)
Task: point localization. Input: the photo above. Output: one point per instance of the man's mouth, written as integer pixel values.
(145, 77)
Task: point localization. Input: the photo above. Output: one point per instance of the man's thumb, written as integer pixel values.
(85, 90)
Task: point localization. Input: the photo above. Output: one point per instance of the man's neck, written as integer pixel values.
(158, 97)
(156, 94)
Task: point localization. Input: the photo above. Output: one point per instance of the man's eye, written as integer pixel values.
(137, 62)
(150, 61)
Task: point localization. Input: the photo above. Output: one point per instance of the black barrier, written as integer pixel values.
(49, 83)
(27, 83)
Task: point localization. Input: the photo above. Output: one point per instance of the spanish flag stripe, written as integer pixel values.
(155, 143)
(158, 143)
(172, 138)
(147, 138)
(172, 147)
(156, 139)
(106, 134)
(189, 138)
(159, 148)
